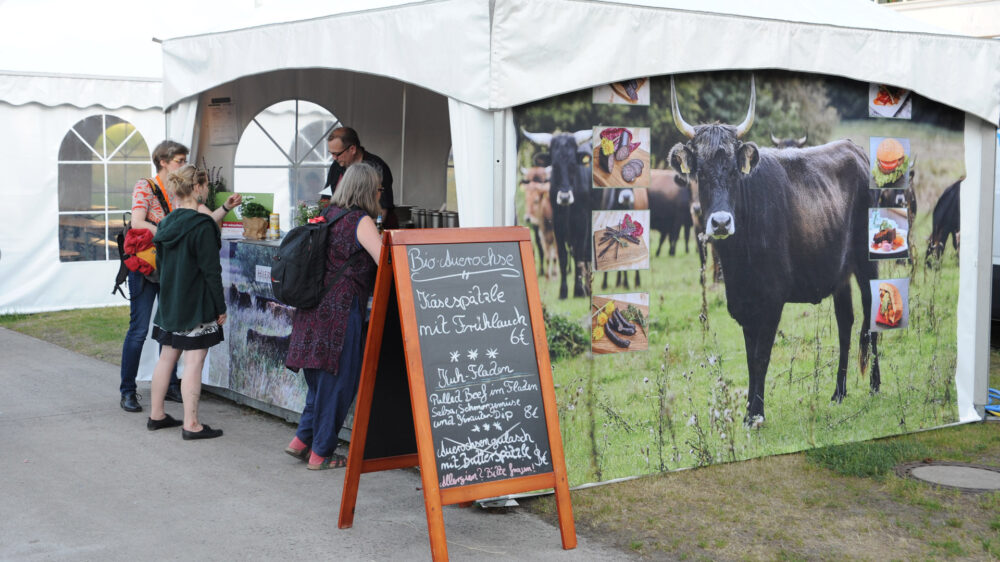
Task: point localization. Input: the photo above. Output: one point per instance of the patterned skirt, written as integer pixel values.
(202, 336)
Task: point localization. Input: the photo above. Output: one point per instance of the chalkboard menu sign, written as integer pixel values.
(477, 375)
(478, 355)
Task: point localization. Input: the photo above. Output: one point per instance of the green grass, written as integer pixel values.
(97, 332)
(873, 458)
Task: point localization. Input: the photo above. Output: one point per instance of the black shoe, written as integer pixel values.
(205, 433)
(173, 394)
(130, 402)
(166, 422)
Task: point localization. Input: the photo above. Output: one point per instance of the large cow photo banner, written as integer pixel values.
(737, 264)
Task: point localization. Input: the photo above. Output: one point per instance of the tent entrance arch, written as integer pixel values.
(283, 151)
(407, 126)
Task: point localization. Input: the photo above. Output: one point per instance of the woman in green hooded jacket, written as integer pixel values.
(192, 306)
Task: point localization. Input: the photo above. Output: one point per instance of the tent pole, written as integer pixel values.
(402, 149)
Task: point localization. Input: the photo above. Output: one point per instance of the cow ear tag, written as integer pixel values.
(748, 156)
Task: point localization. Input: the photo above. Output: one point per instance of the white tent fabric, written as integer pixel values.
(389, 42)
(20, 88)
(535, 51)
(32, 277)
(865, 42)
(472, 153)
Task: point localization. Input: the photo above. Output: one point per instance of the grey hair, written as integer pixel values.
(359, 188)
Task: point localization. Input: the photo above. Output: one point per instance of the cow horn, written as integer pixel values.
(542, 139)
(743, 127)
(802, 142)
(682, 125)
(775, 140)
(583, 136)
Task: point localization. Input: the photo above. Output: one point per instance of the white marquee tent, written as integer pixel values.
(485, 57)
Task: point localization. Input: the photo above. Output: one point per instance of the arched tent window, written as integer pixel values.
(100, 160)
(283, 151)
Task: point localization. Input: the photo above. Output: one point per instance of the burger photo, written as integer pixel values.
(891, 162)
(889, 304)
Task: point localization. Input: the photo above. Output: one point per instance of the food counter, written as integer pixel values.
(249, 366)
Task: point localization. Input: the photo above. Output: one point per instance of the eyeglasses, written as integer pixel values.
(337, 154)
(180, 160)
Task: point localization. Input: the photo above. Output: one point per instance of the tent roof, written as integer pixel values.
(502, 53)
(110, 92)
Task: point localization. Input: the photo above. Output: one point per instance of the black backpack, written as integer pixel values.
(299, 266)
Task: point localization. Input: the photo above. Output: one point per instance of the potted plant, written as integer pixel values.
(304, 211)
(256, 218)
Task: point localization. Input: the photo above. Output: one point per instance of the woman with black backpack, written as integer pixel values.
(327, 341)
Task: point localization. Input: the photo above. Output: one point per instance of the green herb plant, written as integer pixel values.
(252, 209)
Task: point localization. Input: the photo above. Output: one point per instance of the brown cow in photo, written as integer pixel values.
(538, 214)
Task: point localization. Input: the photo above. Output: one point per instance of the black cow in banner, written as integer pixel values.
(947, 222)
(569, 191)
(789, 225)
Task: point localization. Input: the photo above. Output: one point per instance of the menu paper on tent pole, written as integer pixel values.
(484, 415)
(221, 117)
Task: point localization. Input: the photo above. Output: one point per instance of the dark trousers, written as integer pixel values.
(143, 295)
(329, 396)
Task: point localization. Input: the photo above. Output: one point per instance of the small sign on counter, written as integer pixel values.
(262, 273)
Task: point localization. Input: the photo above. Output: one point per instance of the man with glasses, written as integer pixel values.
(346, 149)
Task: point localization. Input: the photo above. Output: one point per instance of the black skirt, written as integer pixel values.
(202, 336)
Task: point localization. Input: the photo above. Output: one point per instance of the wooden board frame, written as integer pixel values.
(393, 274)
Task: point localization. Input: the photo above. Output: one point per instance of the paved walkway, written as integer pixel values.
(80, 479)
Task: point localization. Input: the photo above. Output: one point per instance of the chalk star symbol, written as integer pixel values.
(475, 429)
(497, 426)
(491, 353)
(454, 356)
(473, 354)
(486, 427)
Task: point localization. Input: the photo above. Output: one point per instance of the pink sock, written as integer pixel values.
(297, 444)
(315, 459)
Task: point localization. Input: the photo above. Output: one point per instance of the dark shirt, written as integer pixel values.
(337, 171)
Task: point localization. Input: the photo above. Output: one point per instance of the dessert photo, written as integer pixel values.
(887, 233)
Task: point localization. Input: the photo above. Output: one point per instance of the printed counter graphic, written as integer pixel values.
(480, 369)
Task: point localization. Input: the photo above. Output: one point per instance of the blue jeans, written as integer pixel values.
(143, 295)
